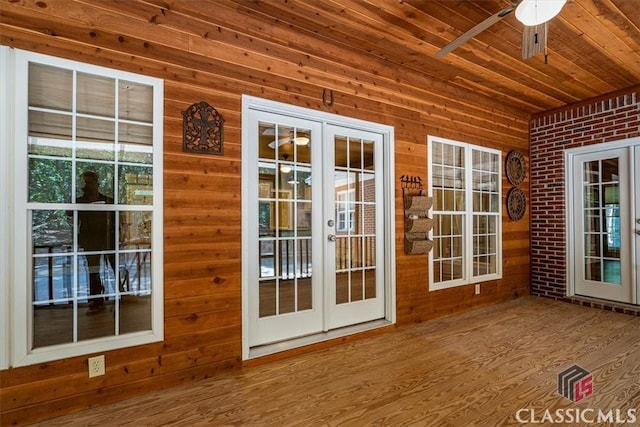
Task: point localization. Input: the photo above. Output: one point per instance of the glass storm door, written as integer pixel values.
(316, 213)
(604, 186)
(353, 267)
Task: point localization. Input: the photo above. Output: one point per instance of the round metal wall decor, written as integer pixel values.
(515, 167)
(516, 203)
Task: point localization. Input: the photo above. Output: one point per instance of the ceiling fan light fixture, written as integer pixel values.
(301, 140)
(536, 12)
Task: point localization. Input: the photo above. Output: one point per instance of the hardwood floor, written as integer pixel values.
(475, 369)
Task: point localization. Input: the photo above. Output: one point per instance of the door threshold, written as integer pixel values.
(280, 346)
(604, 304)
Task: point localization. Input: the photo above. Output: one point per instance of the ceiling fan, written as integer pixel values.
(298, 138)
(533, 14)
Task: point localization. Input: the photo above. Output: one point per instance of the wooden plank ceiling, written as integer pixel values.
(593, 45)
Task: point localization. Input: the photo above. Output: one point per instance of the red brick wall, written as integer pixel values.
(602, 120)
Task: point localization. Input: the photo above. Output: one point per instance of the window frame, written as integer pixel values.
(468, 215)
(19, 329)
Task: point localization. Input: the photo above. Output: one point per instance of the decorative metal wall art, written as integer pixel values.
(516, 203)
(515, 167)
(411, 182)
(202, 129)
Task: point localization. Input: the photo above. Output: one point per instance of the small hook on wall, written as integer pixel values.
(327, 102)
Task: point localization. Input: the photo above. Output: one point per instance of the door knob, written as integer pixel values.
(332, 237)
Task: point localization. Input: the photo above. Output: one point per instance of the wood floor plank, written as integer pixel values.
(474, 369)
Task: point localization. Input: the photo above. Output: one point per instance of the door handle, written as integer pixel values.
(638, 232)
(332, 237)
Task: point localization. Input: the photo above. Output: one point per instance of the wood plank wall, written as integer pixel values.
(217, 61)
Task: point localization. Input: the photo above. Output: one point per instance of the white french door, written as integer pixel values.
(285, 291)
(354, 226)
(605, 209)
(313, 227)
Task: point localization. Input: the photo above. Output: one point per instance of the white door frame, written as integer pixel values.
(250, 103)
(569, 156)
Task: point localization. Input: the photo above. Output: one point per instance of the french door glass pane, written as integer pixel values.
(284, 219)
(601, 215)
(354, 200)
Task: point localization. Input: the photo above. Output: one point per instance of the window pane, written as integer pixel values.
(305, 297)
(135, 313)
(367, 155)
(592, 245)
(134, 272)
(369, 284)
(592, 172)
(134, 230)
(50, 126)
(341, 151)
(135, 101)
(437, 153)
(286, 296)
(135, 143)
(96, 139)
(355, 153)
(52, 324)
(303, 187)
(267, 298)
(302, 146)
(50, 87)
(342, 288)
(610, 170)
(135, 185)
(592, 196)
(49, 181)
(592, 220)
(96, 95)
(92, 178)
(303, 219)
(357, 289)
(592, 269)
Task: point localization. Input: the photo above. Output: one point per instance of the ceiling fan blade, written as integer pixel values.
(476, 30)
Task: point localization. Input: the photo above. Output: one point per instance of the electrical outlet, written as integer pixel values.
(96, 366)
(478, 289)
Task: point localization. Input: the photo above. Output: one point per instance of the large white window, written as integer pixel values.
(85, 156)
(467, 234)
